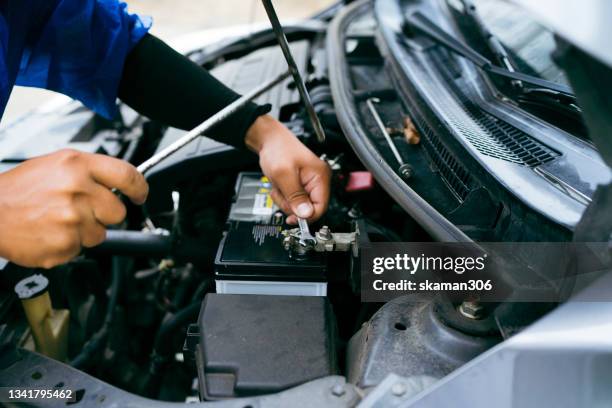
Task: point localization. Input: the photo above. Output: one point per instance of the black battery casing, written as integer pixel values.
(251, 251)
(252, 246)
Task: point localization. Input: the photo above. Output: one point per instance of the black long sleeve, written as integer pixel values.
(165, 86)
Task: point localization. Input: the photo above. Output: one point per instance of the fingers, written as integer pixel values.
(302, 179)
(104, 208)
(284, 206)
(61, 202)
(91, 231)
(318, 190)
(319, 197)
(107, 207)
(287, 181)
(310, 188)
(119, 174)
(278, 198)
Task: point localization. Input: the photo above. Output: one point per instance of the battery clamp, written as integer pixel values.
(325, 241)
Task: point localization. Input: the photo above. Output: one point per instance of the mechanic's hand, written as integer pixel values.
(300, 179)
(53, 205)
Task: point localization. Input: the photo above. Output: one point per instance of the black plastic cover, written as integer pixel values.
(257, 344)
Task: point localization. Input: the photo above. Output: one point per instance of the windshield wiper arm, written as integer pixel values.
(423, 24)
(492, 41)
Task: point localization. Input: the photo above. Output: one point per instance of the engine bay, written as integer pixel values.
(211, 243)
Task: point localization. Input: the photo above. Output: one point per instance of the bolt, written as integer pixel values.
(472, 309)
(398, 389)
(355, 213)
(406, 171)
(287, 243)
(325, 233)
(277, 218)
(338, 390)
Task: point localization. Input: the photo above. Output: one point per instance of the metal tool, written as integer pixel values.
(306, 238)
(405, 170)
(297, 78)
(210, 122)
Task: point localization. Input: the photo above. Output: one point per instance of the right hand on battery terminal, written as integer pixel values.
(300, 180)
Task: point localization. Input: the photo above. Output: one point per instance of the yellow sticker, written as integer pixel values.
(263, 204)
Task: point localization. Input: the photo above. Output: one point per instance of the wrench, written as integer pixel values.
(306, 238)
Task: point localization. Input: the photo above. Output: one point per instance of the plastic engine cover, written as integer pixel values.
(257, 344)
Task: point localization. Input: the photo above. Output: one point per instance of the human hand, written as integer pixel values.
(53, 205)
(300, 179)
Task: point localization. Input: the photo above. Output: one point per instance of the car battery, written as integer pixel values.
(251, 258)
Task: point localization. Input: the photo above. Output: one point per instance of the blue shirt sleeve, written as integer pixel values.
(80, 51)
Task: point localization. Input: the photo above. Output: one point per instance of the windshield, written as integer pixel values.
(529, 43)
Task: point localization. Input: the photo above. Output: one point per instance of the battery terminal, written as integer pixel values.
(324, 240)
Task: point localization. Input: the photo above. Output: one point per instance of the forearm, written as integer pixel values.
(166, 86)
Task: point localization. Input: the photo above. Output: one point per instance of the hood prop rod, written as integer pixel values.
(297, 78)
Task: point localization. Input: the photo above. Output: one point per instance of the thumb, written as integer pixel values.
(292, 190)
